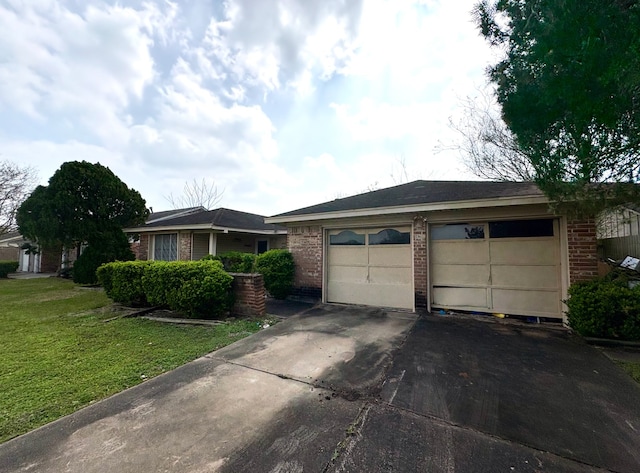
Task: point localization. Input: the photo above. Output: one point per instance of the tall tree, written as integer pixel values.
(84, 203)
(569, 88)
(16, 183)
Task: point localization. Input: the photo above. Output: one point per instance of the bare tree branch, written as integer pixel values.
(196, 194)
(488, 148)
(16, 183)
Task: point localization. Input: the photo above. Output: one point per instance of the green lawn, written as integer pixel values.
(59, 352)
(632, 369)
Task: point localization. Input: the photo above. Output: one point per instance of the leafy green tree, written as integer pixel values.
(84, 203)
(569, 89)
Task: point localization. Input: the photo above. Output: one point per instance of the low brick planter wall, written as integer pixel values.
(249, 292)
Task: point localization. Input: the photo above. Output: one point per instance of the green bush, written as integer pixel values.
(605, 308)
(277, 268)
(196, 288)
(238, 262)
(114, 247)
(7, 267)
(122, 281)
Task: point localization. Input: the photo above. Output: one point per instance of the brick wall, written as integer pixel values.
(305, 244)
(583, 250)
(9, 254)
(420, 262)
(51, 259)
(184, 246)
(249, 293)
(141, 248)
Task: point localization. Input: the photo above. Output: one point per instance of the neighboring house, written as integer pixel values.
(475, 246)
(619, 233)
(48, 260)
(190, 234)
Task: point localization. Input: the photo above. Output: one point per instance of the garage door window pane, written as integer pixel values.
(461, 231)
(521, 228)
(389, 236)
(347, 237)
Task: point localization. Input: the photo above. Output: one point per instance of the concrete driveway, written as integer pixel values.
(361, 390)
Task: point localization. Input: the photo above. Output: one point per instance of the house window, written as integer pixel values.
(166, 247)
(461, 231)
(521, 228)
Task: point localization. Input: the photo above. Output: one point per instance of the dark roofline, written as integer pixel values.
(420, 193)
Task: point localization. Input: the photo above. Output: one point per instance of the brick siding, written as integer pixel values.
(184, 246)
(305, 244)
(583, 250)
(420, 262)
(141, 248)
(249, 293)
(51, 259)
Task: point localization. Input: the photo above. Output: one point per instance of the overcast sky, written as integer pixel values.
(283, 103)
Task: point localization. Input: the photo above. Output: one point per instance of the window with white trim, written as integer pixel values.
(166, 247)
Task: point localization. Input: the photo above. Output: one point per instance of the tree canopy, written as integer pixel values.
(83, 203)
(569, 89)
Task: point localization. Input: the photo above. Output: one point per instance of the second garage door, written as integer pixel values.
(370, 266)
(510, 267)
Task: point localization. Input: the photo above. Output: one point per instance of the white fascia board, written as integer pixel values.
(200, 227)
(432, 207)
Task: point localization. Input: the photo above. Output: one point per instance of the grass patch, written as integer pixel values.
(59, 354)
(632, 369)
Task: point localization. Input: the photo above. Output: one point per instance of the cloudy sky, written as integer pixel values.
(283, 103)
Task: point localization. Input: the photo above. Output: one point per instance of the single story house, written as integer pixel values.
(13, 247)
(190, 234)
(428, 245)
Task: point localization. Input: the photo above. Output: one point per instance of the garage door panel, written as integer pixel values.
(347, 255)
(459, 274)
(390, 255)
(525, 252)
(460, 297)
(381, 295)
(542, 303)
(344, 274)
(544, 277)
(390, 276)
(457, 252)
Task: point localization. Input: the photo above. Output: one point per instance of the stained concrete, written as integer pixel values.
(352, 389)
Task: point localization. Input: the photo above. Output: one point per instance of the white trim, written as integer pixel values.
(201, 226)
(430, 207)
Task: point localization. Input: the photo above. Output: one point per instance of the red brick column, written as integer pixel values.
(184, 246)
(140, 248)
(583, 250)
(305, 244)
(51, 259)
(420, 262)
(249, 293)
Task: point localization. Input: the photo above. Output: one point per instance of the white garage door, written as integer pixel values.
(510, 267)
(370, 267)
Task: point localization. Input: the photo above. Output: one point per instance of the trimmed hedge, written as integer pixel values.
(235, 261)
(195, 288)
(122, 281)
(277, 268)
(7, 267)
(605, 308)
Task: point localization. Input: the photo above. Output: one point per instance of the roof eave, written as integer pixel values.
(427, 207)
(200, 227)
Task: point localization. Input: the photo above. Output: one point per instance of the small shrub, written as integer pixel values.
(277, 268)
(122, 281)
(605, 308)
(197, 288)
(7, 267)
(238, 262)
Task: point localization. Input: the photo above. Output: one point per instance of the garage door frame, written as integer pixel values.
(365, 225)
(560, 225)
